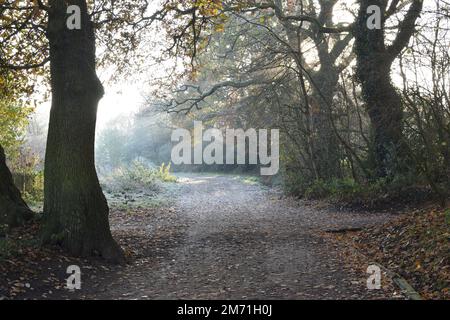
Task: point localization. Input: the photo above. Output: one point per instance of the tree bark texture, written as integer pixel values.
(75, 209)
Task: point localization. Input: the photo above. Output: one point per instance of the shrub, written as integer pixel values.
(345, 188)
(294, 184)
(163, 174)
(319, 189)
(136, 176)
(139, 176)
(34, 194)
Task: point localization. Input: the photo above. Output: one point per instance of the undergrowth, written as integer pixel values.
(375, 194)
(138, 176)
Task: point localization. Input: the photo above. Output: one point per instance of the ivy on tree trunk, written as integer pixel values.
(374, 63)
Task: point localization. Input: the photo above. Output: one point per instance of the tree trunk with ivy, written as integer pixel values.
(75, 209)
(374, 64)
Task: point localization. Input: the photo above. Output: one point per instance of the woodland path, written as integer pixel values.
(225, 238)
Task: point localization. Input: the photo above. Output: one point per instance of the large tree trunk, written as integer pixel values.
(383, 102)
(75, 209)
(374, 62)
(13, 210)
(386, 114)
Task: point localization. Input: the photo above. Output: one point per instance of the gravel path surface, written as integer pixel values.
(228, 239)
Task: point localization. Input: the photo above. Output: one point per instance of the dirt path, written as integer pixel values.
(227, 239)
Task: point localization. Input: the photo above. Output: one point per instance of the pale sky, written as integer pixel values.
(124, 98)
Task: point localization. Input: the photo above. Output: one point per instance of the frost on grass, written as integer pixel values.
(140, 184)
